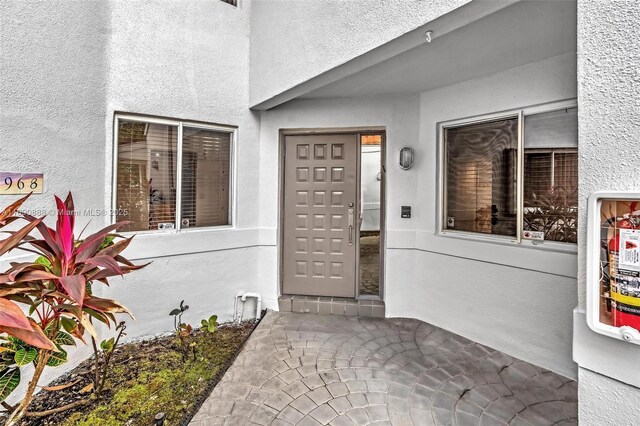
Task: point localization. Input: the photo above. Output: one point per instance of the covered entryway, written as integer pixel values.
(320, 204)
(517, 63)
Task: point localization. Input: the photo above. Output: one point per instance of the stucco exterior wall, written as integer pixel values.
(606, 402)
(294, 40)
(522, 312)
(52, 96)
(189, 60)
(398, 113)
(609, 135)
(52, 106)
(67, 67)
(609, 114)
(172, 63)
(523, 294)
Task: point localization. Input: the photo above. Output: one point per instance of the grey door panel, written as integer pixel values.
(320, 208)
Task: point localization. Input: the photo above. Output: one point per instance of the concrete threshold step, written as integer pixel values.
(332, 306)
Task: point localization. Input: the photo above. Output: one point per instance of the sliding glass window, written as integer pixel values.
(482, 162)
(172, 176)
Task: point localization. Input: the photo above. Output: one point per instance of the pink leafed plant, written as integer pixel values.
(56, 292)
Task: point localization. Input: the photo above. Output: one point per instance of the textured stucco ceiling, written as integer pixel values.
(522, 33)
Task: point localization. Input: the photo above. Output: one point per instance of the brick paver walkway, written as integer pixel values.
(306, 369)
(370, 264)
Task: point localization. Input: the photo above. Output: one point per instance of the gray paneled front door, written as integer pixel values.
(320, 215)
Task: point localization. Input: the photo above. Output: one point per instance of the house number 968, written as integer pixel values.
(21, 183)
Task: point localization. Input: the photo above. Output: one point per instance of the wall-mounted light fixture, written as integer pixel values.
(406, 157)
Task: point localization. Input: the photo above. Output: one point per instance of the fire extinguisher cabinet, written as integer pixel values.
(613, 264)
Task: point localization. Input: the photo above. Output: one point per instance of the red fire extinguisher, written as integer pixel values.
(624, 264)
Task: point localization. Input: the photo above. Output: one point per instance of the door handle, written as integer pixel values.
(350, 224)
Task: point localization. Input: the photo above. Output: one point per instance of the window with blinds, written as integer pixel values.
(551, 174)
(481, 162)
(148, 178)
(206, 158)
(481, 177)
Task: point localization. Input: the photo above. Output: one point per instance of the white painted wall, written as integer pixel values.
(398, 114)
(609, 134)
(208, 282)
(67, 67)
(61, 88)
(295, 40)
(606, 402)
(189, 60)
(52, 97)
(514, 298)
(525, 313)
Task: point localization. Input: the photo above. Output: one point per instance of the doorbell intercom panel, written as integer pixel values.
(405, 212)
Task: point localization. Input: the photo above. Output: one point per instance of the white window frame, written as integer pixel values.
(232, 130)
(520, 114)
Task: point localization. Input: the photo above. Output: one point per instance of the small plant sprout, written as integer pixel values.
(209, 324)
(183, 330)
(177, 316)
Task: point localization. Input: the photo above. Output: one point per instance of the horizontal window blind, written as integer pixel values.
(565, 171)
(206, 158)
(146, 181)
(554, 129)
(481, 177)
(537, 172)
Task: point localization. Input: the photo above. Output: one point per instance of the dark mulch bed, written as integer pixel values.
(147, 378)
